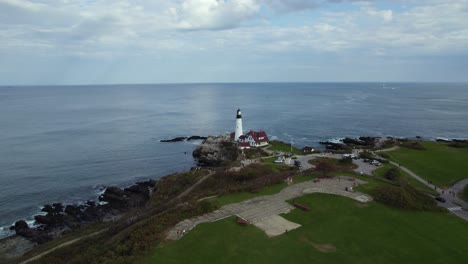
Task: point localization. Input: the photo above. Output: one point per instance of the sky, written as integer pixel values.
(55, 42)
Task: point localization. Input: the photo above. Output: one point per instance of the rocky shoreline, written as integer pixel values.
(59, 218)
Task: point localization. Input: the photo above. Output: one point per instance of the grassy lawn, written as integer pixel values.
(464, 194)
(439, 163)
(239, 197)
(336, 230)
(283, 147)
(405, 176)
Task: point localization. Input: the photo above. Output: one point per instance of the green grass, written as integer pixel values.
(283, 147)
(439, 163)
(353, 233)
(404, 176)
(464, 193)
(239, 197)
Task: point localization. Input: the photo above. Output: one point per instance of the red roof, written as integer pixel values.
(259, 136)
(307, 148)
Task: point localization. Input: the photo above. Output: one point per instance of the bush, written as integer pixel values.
(413, 145)
(392, 174)
(346, 160)
(366, 155)
(384, 155)
(325, 168)
(255, 153)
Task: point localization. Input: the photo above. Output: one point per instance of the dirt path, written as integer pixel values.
(184, 193)
(62, 245)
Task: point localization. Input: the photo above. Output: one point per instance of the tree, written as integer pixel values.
(325, 168)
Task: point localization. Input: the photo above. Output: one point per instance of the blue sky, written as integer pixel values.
(179, 41)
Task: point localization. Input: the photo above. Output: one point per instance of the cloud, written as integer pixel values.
(213, 14)
(196, 30)
(386, 15)
(291, 5)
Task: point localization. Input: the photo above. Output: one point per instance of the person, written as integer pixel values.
(183, 232)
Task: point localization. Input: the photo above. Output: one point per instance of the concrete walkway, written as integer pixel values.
(260, 208)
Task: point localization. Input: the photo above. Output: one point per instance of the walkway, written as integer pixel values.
(258, 209)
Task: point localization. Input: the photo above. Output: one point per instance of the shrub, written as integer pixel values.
(346, 160)
(413, 145)
(392, 174)
(325, 168)
(384, 155)
(366, 155)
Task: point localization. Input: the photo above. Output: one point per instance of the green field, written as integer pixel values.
(283, 147)
(404, 176)
(439, 163)
(336, 230)
(464, 193)
(239, 197)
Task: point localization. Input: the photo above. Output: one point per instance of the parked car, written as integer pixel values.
(297, 163)
(440, 199)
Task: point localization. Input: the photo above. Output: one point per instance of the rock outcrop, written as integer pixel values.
(178, 139)
(216, 151)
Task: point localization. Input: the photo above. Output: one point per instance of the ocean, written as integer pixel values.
(65, 143)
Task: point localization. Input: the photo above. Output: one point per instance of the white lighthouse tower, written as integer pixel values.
(238, 132)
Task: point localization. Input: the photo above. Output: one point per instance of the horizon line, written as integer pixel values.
(273, 82)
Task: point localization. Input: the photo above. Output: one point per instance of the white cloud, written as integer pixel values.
(213, 14)
(386, 15)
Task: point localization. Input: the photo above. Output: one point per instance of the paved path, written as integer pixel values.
(260, 208)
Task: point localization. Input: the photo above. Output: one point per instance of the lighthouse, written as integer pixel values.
(238, 132)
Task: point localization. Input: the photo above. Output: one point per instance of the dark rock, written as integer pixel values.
(116, 197)
(177, 139)
(54, 208)
(73, 210)
(196, 138)
(333, 146)
(91, 203)
(44, 220)
(19, 225)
